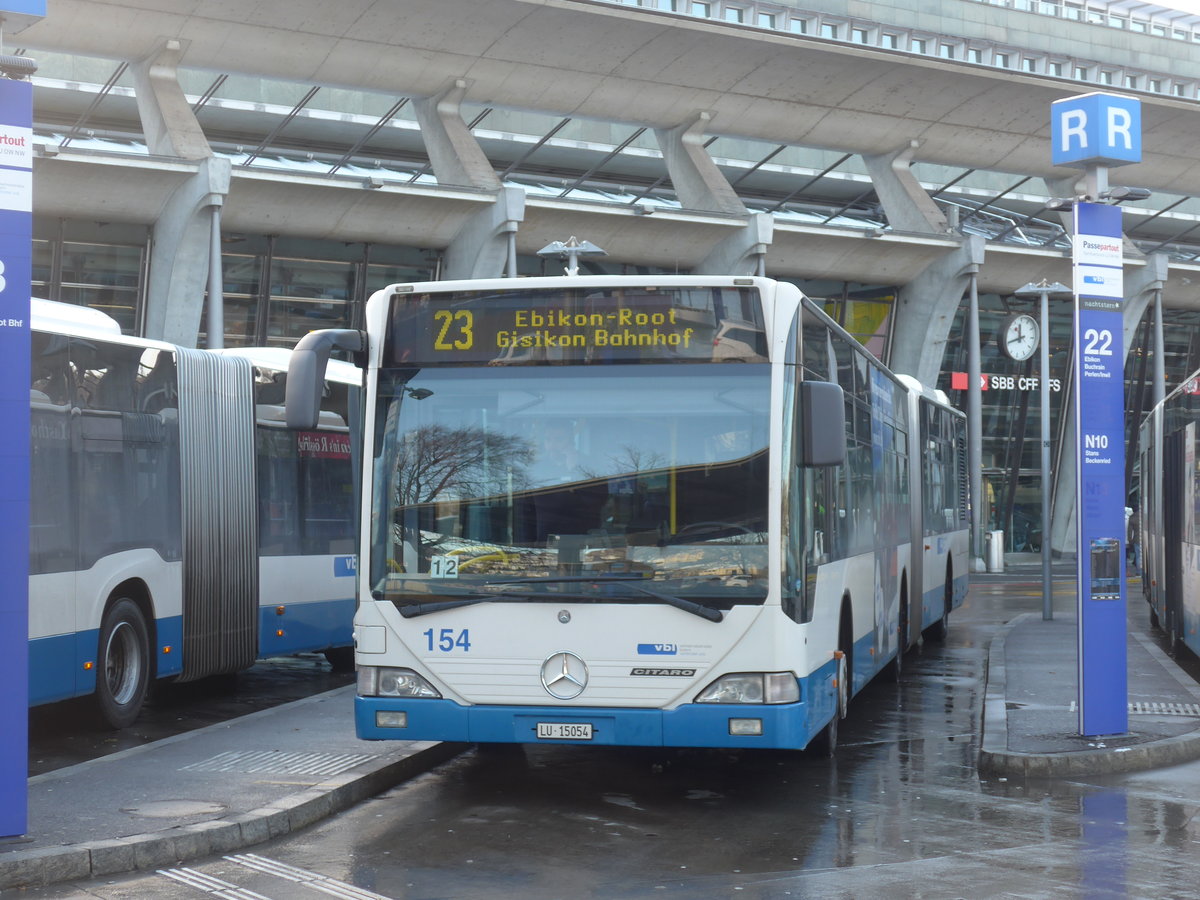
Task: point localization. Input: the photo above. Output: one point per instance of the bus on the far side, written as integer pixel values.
(1169, 527)
(176, 529)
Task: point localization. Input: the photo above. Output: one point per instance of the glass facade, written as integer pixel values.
(107, 276)
(279, 289)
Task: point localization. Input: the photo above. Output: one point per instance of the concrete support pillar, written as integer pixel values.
(481, 248)
(1142, 286)
(170, 126)
(741, 253)
(1160, 350)
(698, 182)
(906, 204)
(455, 155)
(925, 311)
(180, 260)
(185, 259)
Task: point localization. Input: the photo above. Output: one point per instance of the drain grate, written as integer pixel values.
(1165, 709)
(277, 762)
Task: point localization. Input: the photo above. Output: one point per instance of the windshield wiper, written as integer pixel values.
(690, 606)
(566, 579)
(411, 611)
(470, 598)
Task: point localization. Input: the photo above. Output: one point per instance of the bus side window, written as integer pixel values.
(51, 371)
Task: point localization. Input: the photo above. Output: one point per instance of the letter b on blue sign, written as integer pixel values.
(1100, 129)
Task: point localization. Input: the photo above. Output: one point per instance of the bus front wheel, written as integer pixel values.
(122, 664)
(340, 659)
(826, 740)
(940, 629)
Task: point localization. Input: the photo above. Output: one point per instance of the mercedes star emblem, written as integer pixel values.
(564, 675)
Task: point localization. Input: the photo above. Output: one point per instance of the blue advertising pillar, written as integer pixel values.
(16, 215)
(1092, 132)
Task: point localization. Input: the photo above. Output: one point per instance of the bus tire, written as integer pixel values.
(826, 741)
(941, 628)
(340, 659)
(895, 668)
(122, 664)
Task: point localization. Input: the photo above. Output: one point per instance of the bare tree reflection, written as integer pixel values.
(629, 463)
(436, 462)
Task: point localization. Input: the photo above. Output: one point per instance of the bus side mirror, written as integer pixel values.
(822, 424)
(306, 373)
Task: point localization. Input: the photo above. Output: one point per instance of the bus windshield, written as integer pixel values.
(521, 483)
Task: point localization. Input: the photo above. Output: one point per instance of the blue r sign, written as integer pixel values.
(1096, 129)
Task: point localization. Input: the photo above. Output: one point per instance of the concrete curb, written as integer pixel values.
(152, 850)
(996, 759)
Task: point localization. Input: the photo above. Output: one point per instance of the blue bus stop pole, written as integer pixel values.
(1093, 132)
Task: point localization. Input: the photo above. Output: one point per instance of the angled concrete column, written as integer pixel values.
(742, 252)
(454, 153)
(698, 182)
(1141, 287)
(906, 204)
(179, 262)
(170, 126)
(481, 247)
(925, 310)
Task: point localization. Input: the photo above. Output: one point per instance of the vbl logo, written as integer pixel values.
(658, 649)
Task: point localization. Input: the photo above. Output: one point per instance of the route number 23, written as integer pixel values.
(457, 330)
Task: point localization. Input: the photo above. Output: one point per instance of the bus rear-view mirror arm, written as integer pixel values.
(306, 374)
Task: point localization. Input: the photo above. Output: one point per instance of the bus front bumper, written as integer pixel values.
(783, 726)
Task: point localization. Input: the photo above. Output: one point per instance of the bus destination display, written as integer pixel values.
(554, 326)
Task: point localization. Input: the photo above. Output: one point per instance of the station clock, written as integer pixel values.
(1019, 337)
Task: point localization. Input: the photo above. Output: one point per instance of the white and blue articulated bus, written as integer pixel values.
(661, 511)
(177, 528)
(1168, 528)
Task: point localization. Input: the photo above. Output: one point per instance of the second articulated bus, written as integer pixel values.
(1169, 533)
(680, 511)
(177, 530)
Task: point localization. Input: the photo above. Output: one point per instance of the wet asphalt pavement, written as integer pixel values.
(901, 812)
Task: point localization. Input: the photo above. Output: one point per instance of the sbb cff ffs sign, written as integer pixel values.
(1096, 129)
(1025, 383)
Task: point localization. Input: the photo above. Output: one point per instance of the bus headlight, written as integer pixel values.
(752, 687)
(378, 681)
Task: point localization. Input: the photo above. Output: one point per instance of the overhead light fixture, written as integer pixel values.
(1118, 194)
(570, 250)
